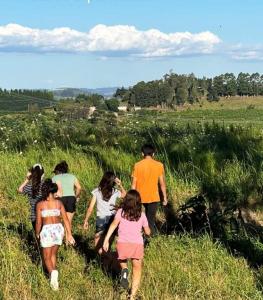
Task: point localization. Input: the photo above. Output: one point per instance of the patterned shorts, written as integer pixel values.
(51, 235)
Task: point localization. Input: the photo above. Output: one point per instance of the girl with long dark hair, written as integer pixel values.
(49, 229)
(32, 188)
(105, 197)
(131, 220)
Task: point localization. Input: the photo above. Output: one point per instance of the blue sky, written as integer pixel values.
(120, 42)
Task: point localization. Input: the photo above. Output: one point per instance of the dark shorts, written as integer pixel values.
(103, 223)
(69, 203)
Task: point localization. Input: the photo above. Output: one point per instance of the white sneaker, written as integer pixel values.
(54, 280)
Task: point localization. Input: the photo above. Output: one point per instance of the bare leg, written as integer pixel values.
(54, 251)
(70, 217)
(47, 253)
(98, 241)
(136, 276)
(123, 264)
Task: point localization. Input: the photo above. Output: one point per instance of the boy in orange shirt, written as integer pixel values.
(146, 176)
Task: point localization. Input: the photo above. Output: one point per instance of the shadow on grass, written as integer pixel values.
(107, 262)
(241, 237)
(29, 241)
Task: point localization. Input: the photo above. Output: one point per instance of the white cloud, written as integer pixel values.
(247, 53)
(106, 41)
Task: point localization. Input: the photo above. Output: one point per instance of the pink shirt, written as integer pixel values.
(130, 231)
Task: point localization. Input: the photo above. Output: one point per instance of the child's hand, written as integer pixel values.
(165, 202)
(28, 175)
(117, 181)
(106, 246)
(86, 225)
(71, 240)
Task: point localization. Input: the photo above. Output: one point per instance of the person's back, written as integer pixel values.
(130, 231)
(147, 173)
(131, 221)
(68, 188)
(106, 208)
(67, 182)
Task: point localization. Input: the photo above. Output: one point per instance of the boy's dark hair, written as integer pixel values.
(107, 184)
(61, 168)
(131, 206)
(148, 150)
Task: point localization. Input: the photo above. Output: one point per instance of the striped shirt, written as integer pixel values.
(27, 190)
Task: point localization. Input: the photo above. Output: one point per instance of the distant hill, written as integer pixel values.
(16, 101)
(73, 92)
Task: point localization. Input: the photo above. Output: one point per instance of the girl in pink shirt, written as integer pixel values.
(131, 221)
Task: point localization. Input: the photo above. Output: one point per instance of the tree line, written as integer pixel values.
(174, 89)
(41, 94)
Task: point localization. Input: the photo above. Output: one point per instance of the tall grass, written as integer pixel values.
(175, 267)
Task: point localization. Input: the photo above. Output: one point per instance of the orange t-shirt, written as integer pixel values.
(147, 173)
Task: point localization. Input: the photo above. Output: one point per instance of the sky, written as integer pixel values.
(108, 43)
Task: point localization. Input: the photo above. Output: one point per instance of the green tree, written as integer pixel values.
(230, 84)
(243, 86)
(181, 94)
(112, 104)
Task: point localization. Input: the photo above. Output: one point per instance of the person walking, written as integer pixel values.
(49, 229)
(105, 197)
(31, 187)
(130, 221)
(69, 189)
(147, 176)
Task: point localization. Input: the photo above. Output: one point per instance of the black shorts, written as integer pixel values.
(69, 203)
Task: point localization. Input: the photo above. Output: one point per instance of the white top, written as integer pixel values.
(55, 212)
(106, 208)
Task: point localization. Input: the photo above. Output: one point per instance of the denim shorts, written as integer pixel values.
(103, 223)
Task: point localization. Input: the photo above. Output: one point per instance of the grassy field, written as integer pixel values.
(214, 152)
(176, 267)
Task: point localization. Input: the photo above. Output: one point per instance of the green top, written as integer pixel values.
(67, 182)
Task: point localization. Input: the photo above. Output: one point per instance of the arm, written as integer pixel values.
(38, 219)
(122, 189)
(147, 230)
(134, 179)
(59, 193)
(134, 182)
(69, 236)
(163, 189)
(113, 226)
(77, 188)
(21, 187)
(89, 212)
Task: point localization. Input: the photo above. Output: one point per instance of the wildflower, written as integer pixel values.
(35, 141)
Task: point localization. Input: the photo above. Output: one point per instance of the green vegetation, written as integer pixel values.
(175, 267)
(210, 244)
(175, 90)
(25, 100)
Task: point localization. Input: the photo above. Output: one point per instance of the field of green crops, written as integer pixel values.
(215, 154)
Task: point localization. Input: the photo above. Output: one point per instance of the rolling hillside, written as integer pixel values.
(16, 103)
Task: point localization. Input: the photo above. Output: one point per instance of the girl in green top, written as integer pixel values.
(68, 189)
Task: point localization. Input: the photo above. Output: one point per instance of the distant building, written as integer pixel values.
(92, 109)
(122, 108)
